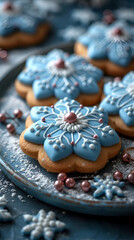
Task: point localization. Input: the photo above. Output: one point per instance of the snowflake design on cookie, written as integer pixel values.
(120, 98)
(5, 215)
(61, 75)
(16, 16)
(84, 16)
(42, 226)
(107, 187)
(71, 33)
(113, 42)
(68, 127)
(126, 14)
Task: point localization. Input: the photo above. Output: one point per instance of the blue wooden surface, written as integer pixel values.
(80, 226)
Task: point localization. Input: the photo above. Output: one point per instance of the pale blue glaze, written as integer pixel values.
(20, 18)
(78, 77)
(107, 187)
(120, 98)
(58, 136)
(101, 43)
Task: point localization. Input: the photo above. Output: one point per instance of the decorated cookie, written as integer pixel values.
(19, 26)
(119, 103)
(68, 137)
(108, 46)
(57, 75)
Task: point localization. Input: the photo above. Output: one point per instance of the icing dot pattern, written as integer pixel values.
(113, 42)
(82, 134)
(47, 79)
(107, 187)
(120, 98)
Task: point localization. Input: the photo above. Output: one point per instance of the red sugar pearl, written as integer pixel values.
(8, 6)
(70, 182)
(85, 186)
(62, 176)
(72, 143)
(118, 175)
(48, 135)
(10, 128)
(3, 54)
(43, 119)
(54, 85)
(130, 177)
(76, 84)
(18, 113)
(100, 120)
(52, 106)
(59, 185)
(81, 106)
(95, 136)
(117, 79)
(126, 157)
(2, 117)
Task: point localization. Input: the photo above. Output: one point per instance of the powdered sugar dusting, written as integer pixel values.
(29, 169)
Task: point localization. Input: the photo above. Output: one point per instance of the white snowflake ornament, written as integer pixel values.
(42, 226)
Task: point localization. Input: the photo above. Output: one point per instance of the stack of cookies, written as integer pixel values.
(65, 131)
(76, 116)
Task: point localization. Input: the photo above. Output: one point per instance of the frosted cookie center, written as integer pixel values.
(130, 89)
(60, 64)
(72, 122)
(60, 68)
(118, 34)
(8, 9)
(8, 6)
(70, 117)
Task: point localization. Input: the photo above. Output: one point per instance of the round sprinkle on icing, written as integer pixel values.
(92, 146)
(60, 64)
(70, 117)
(70, 129)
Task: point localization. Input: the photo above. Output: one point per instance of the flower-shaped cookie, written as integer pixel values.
(109, 46)
(119, 103)
(69, 137)
(58, 75)
(17, 21)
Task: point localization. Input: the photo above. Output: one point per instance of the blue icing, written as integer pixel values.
(120, 98)
(120, 53)
(75, 75)
(107, 187)
(59, 150)
(93, 153)
(36, 62)
(101, 50)
(127, 115)
(40, 90)
(20, 18)
(114, 42)
(84, 40)
(69, 127)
